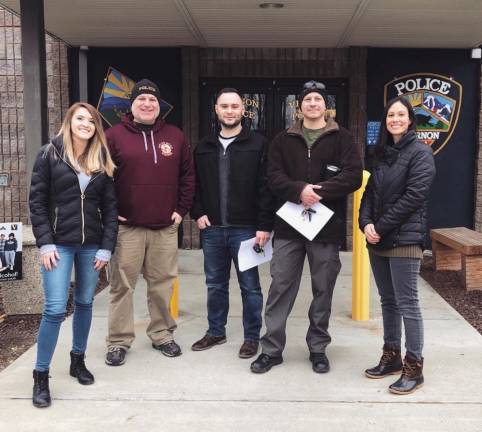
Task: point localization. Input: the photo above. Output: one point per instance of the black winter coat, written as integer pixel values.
(60, 213)
(395, 199)
(250, 202)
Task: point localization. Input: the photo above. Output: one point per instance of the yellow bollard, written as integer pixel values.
(360, 307)
(174, 304)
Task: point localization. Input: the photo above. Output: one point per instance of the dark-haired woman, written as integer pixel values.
(74, 219)
(393, 216)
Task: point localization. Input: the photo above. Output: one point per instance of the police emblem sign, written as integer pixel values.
(436, 100)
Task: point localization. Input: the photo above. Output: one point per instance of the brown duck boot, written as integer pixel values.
(390, 364)
(411, 379)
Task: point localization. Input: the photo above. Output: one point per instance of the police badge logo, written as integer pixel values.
(166, 148)
(436, 100)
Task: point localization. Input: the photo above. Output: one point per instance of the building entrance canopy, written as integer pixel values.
(231, 23)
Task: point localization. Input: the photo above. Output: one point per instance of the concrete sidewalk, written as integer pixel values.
(215, 391)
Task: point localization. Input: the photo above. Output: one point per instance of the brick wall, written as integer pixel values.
(13, 198)
(478, 169)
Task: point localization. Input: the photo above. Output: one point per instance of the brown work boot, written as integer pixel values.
(411, 379)
(390, 364)
(207, 342)
(248, 349)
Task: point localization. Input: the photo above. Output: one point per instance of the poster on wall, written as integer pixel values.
(373, 129)
(436, 100)
(10, 251)
(114, 101)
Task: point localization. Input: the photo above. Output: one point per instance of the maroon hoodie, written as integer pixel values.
(155, 172)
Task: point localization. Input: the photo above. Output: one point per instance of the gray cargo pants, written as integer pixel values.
(286, 269)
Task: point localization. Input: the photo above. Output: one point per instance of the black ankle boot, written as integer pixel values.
(41, 392)
(390, 364)
(411, 379)
(78, 369)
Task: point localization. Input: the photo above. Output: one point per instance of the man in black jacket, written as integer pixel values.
(313, 160)
(232, 203)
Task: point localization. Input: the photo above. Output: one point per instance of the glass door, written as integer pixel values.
(271, 105)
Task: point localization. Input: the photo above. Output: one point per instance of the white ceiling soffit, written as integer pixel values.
(242, 23)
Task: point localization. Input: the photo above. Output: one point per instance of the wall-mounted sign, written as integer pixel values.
(114, 101)
(10, 251)
(436, 100)
(373, 128)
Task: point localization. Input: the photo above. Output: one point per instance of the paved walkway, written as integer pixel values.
(215, 391)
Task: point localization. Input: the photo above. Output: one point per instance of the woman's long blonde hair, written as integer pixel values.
(96, 157)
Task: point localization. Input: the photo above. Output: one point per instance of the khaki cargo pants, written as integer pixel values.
(154, 254)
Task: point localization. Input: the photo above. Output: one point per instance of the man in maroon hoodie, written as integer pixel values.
(154, 183)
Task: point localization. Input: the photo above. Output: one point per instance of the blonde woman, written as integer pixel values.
(74, 219)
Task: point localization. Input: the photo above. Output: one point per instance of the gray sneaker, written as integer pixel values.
(169, 349)
(115, 356)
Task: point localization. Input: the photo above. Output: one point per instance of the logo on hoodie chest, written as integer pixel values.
(166, 148)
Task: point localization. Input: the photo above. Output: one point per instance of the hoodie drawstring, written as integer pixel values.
(145, 140)
(153, 147)
(152, 143)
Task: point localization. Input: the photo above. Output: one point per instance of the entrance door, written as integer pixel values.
(271, 105)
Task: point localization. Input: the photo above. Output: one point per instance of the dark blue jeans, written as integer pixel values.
(56, 290)
(220, 247)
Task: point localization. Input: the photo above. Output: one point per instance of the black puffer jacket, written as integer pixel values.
(395, 199)
(60, 213)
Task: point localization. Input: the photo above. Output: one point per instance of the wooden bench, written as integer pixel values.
(459, 249)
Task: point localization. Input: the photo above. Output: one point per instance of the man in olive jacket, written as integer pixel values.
(232, 204)
(314, 160)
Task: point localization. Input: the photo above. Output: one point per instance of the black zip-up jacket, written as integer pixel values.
(292, 165)
(395, 199)
(61, 213)
(250, 202)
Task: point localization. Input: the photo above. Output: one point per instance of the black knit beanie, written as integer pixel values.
(145, 86)
(310, 89)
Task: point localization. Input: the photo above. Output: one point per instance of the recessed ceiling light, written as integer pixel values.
(271, 5)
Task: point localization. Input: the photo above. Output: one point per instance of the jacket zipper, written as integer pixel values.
(309, 149)
(82, 195)
(309, 164)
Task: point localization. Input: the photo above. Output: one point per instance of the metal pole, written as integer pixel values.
(174, 304)
(360, 309)
(35, 79)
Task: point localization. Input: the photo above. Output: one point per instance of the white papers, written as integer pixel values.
(293, 214)
(248, 258)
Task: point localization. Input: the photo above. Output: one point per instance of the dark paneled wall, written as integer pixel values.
(452, 200)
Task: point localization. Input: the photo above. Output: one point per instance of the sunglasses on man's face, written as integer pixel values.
(314, 85)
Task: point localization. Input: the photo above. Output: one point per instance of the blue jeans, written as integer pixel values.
(220, 247)
(56, 290)
(396, 280)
